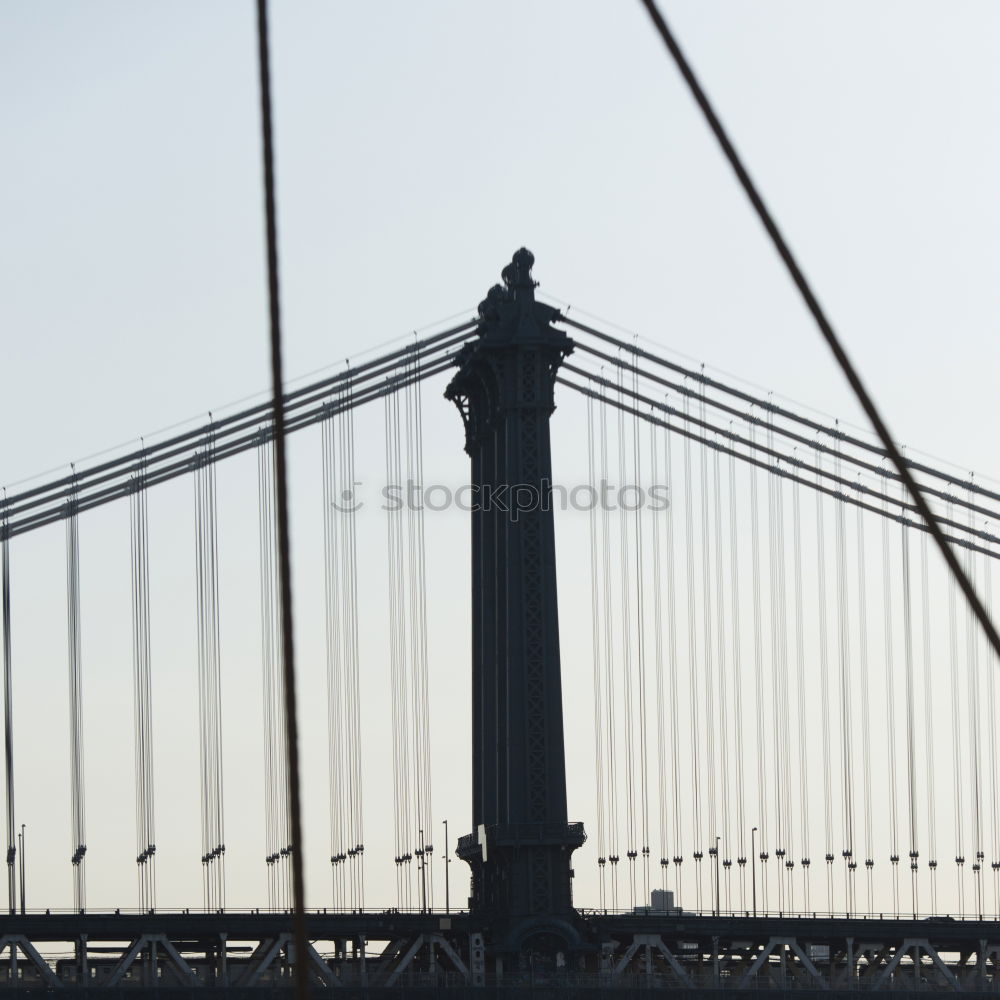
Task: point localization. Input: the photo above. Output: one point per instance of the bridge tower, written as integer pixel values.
(521, 845)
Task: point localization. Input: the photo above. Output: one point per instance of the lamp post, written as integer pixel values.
(753, 865)
(718, 909)
(423, 874)
(447, 861)
(21, 852)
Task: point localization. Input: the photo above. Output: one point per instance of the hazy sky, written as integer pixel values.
(418, 145)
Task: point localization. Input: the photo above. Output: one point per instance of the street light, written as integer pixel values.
(422, 852)
(718, 910)
(447, 861)
(753, 865)
(21, 838)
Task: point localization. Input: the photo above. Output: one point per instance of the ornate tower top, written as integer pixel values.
(509, 311)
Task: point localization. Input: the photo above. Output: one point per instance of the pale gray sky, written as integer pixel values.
(418, 144)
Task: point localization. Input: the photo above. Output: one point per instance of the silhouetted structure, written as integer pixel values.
(521, 847)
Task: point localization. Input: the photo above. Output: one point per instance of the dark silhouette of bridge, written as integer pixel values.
(522, 927)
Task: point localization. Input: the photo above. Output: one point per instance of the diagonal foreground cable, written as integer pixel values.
(829, 335)
(281, 496)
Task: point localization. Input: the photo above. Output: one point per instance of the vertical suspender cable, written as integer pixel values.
(693, 664)
(956, 733)
(758, 674)
(79, 836)
(412, 652)
(672, 665)
(930, 759)
(992, 714)
(720, 585)
(397, 660)
(847, 735)
(865, 687)
(143, 697)
(8, 711)
(911, 748)
(776, 613)
(417, 609)
(350, 657)
(780, 680)
(708, 657)
(890, 695)
(613, 782)
(595, 619)
(739, 750)
(628, 685)
(293, 805)
(787, 797)
(800, 660)
(661, 694)
(209, 679)
(278, 840)
(640, 585)
(972, 664)
(427, 845)
(824, 680)
(336, 728)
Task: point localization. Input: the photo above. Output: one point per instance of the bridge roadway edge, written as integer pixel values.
(693, 939)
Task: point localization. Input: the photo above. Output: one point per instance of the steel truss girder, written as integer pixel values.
(816, 957)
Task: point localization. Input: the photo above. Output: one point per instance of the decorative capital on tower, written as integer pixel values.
(509, 312)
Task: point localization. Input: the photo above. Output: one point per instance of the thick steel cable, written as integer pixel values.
(700, 378)
(829, 335)
(235, 439)
(843, 489)
(281, 490)
(878, 470)
(81, 480)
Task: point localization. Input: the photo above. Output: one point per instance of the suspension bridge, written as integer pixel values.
(792, 779)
